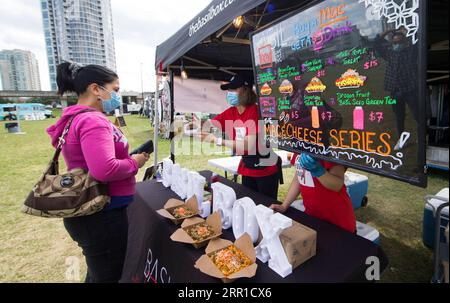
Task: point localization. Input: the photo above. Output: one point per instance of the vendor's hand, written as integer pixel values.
(312, 165)
(207, 138)
(192, 125)
(141, 159)
(281, 208)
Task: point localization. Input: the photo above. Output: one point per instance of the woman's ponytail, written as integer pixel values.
(64, 78)
(73, 77)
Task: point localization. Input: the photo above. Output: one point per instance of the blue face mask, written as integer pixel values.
(113, 103)
(233, 98)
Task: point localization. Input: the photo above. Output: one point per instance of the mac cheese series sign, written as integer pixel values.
(345, 82)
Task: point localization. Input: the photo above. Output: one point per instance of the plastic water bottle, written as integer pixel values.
(214, 178)
(159, 174)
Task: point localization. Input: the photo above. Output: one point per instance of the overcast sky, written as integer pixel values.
(139, 26)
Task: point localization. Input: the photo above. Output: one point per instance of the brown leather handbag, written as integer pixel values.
(73, 194)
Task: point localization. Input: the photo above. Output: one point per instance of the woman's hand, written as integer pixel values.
(141, 159)
(281, 208)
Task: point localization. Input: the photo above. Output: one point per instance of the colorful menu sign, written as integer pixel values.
(345, 82)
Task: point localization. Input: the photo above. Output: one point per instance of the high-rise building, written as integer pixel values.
(19, 70)
(79, 31)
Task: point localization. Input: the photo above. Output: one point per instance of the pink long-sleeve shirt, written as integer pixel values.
(97, 145)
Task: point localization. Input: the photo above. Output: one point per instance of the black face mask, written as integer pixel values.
(398, 47)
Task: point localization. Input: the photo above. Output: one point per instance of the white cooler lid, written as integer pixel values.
(353, 178)
(444, 193)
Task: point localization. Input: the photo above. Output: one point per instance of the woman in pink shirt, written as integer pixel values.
(96, 145)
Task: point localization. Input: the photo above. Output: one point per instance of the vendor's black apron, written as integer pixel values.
(254, 162)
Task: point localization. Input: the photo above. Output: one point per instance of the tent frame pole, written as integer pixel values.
(156, 125)
(231, 68)
(172, 117)
(208, 65)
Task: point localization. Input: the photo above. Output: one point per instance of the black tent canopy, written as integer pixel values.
(210, 47)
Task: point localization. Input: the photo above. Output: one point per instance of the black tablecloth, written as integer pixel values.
(153, 257)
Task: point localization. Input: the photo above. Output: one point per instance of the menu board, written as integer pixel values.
(345, 82)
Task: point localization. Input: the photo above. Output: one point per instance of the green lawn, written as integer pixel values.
(36, 250)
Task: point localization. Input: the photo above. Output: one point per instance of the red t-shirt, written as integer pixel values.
(322, 203)
(239, 127)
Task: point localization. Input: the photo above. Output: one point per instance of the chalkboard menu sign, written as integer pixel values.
(345, 82)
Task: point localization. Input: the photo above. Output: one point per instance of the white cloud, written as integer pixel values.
(21, 27)
(139, 26)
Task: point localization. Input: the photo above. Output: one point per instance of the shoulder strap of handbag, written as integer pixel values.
(62, 141)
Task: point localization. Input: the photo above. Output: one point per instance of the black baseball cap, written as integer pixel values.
(238, 81)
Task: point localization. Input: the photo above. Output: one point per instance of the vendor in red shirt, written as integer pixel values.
(323, 191)
(240, 124)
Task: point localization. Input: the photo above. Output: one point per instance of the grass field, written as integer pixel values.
(36, 250)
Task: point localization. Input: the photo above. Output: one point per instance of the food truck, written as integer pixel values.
(24, 111)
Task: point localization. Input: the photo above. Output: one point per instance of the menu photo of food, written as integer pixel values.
(315, 86)
(351, 79)
(266, 90)
(268, 107)
(230, 260)
(286, 87)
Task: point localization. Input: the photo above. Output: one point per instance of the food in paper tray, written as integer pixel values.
(182, 212)
(200, 232)
(230, 260)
